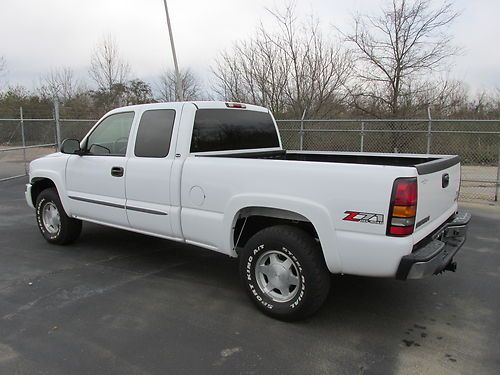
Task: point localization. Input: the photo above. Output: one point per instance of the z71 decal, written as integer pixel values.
(364, 217)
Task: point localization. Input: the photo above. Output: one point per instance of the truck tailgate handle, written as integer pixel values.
(117, 172)
(445, 180)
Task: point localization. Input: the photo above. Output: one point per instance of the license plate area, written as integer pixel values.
(453, 232)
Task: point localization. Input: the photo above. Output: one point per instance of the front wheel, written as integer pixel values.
(55, 225)
(284, 273)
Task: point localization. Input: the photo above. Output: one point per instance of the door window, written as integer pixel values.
(154, 134)
(110, 137)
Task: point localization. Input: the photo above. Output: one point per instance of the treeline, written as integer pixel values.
(393, 64)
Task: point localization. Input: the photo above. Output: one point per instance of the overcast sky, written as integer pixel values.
(36, 35)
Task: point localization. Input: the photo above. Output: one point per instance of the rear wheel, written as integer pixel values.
(284, 273)
(54, 224)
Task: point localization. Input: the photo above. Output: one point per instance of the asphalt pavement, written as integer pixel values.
(123, 303)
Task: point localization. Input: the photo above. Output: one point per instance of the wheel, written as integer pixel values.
(55, 225)
(283, 270)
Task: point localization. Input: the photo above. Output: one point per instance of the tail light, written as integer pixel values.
(403, 208)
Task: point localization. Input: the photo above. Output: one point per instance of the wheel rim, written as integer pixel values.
(277, 275)
(51, 219)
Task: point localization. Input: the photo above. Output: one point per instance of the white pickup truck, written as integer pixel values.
(215, 175)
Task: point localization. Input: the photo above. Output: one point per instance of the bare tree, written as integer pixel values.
(397, 51)
(447, 97)
(59, 84)
(190, 86)
(291, 70)
(107, 68)
(253, 71)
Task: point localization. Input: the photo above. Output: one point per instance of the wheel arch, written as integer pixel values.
(38, 184)
(250, 220)
(275, 210)
(42, 181)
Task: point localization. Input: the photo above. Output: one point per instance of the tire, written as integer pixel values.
(284, 256)
(56, 226)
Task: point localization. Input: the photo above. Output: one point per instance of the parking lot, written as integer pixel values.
(122, 303)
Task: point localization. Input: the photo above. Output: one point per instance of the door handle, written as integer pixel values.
(117, 172)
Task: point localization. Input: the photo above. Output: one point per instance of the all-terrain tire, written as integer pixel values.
(284, 255)
(57, 227)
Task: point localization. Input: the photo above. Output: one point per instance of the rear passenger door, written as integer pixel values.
(147, 181)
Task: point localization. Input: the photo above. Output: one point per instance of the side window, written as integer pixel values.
(154, 133)
(111, 135)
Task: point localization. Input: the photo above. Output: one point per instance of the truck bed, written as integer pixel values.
(423, 163)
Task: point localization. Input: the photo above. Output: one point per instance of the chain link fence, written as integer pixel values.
(25, 139)
(476, 141)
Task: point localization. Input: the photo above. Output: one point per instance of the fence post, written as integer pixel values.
(302, 130)
(21, 118)
(497, 190)
(58, 124)
(429, 130)
(362, 146)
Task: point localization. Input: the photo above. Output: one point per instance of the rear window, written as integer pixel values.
(232, 129)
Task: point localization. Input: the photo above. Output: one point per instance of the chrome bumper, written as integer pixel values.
(438, 252)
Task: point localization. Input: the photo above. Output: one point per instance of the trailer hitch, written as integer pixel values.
(452, 266)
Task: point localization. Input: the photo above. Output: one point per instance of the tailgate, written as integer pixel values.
(438, 187)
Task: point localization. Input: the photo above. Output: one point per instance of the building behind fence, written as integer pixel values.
(476, 141)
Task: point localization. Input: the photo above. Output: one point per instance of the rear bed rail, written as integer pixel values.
(437, 165)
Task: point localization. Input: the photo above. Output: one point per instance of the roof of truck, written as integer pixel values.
(213, 104)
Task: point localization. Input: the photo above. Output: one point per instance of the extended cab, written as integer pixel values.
(215, 175)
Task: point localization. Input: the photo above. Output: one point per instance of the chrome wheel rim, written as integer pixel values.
(50, 218)
(277, 275)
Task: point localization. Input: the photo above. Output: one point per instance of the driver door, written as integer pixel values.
(95, 182)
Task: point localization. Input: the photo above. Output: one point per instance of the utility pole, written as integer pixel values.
(429, 129)
(178, 87)
(57, 121)
(23, 138)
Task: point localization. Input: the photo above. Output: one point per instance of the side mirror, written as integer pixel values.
(71, 146)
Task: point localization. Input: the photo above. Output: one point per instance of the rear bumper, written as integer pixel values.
(436, 253)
